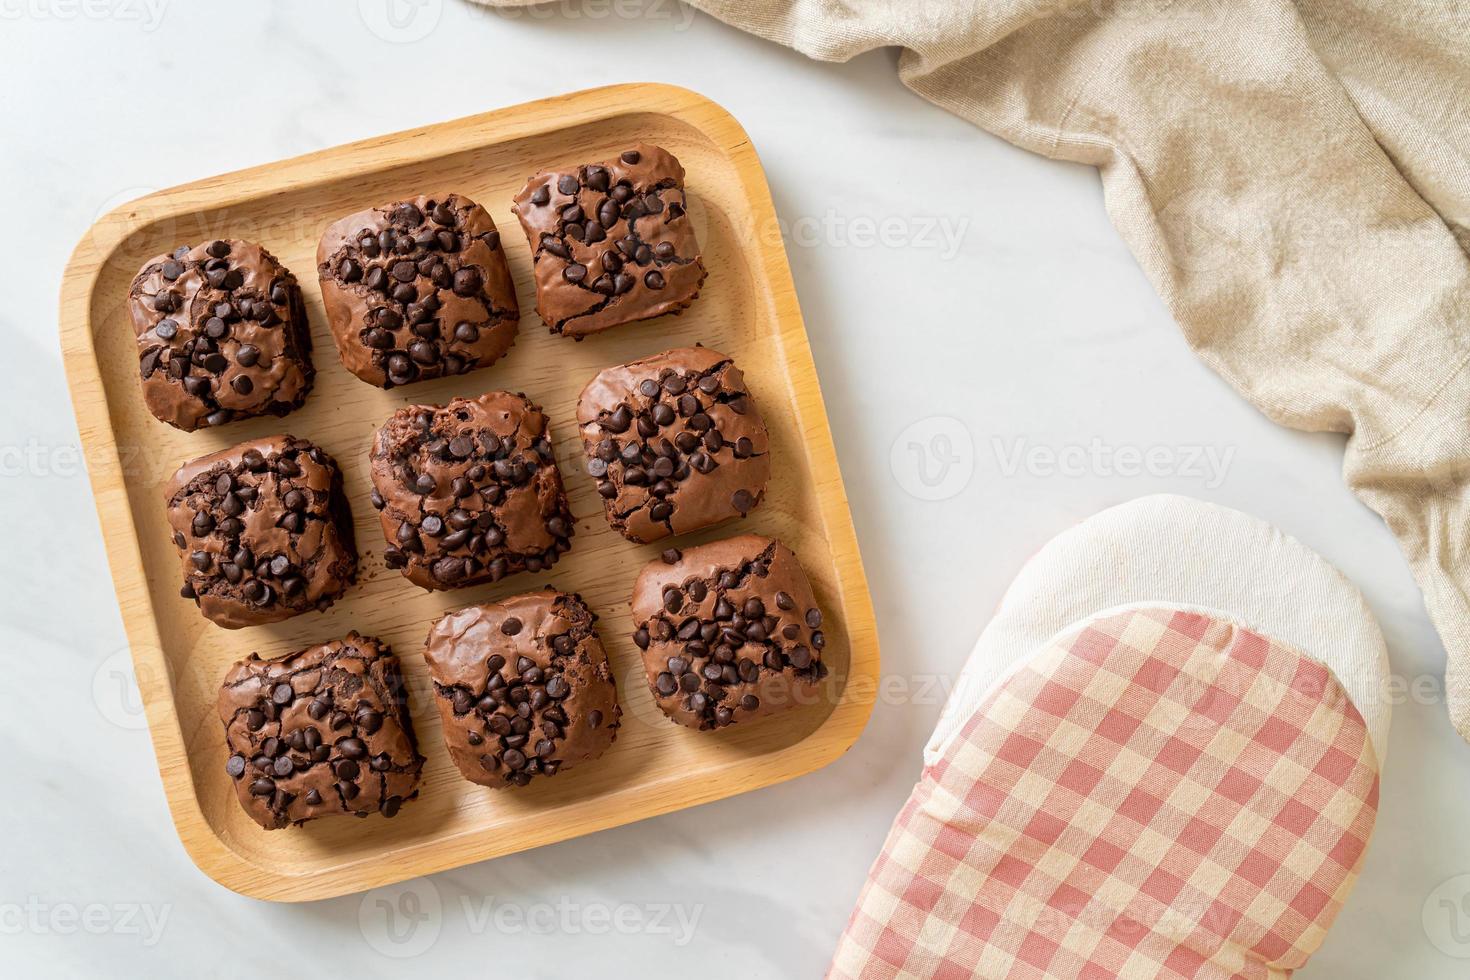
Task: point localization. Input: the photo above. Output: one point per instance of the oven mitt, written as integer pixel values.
(1157, 790)
(1182, 551)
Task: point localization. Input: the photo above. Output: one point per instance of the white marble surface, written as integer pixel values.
(1031, 329)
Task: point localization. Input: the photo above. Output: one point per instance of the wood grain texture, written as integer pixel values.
(748, 309)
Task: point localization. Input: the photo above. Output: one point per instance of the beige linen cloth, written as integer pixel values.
(1293, 177)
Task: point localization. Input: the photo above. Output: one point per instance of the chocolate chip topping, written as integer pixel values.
(612, 242)
(262, 530)
(469, 492)
(725, 632)
(674, 442)
(222, 335)
(321, 732)
(418, 289)
(523, 686)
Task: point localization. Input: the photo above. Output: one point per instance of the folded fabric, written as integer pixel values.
(1293, 178)
(1159, 789)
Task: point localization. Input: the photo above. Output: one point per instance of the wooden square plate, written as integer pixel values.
(748, 309)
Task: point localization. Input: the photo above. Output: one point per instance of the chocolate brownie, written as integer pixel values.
(469, 492)
(729, 631)
(322, 732)
(523, 686)
(417, 289)
(222, 335)
(675, 443)
(263, 531)
(612, 241)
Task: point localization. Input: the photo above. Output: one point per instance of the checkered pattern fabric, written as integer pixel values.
(1157, 794)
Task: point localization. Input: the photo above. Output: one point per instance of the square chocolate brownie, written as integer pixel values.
(523, 686)
(612, 241)
(222, 335)
(321, 732)
(729, 630)
(417, 289)
(675, 443)
(263, 531)
(469, 492)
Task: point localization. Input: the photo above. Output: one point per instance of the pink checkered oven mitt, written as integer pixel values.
(1157, 793)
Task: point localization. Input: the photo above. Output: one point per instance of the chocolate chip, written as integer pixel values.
(631, 157)
(618, 421)
(467, 282)
(149, 362)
